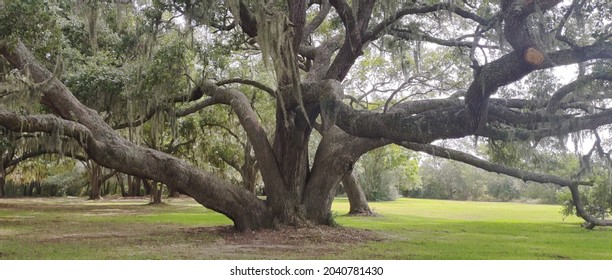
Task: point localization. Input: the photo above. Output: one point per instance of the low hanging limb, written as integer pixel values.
(433, 150)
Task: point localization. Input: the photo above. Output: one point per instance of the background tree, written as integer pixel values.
(387, 172)
(503, 190)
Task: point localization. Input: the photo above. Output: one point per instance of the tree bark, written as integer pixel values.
(121, 184)
(248, 170)
(31, 186)
(357, 199)
(148, 188)
(2, 183)
(291, 152)
(156, 191)
(172, 192)
(95, 180)
(134, 184)
(2, 175)
(335, 158)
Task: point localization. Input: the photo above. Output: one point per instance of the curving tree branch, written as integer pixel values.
(109, 149)
(489, 166)
(512, 67)
(318, 19)
(250, 122)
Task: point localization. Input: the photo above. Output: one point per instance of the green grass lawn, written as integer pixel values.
(435, 229)
(71, 228)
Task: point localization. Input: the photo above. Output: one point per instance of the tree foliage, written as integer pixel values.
(387, 172)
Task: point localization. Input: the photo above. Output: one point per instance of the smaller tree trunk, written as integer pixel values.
(39, 190)
(357, 199)
(120, 182)
(249, 177)
(249, 169)
(155, 191)
(134, 184)
(173, 192)
(31, 187)
(2, 183)
(96, 191)
(2, 176)
(147, 187)
(95, 173)
(158, 195)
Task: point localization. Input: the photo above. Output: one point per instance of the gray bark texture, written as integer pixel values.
(357, 199)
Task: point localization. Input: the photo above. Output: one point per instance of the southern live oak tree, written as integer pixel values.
(313, 47)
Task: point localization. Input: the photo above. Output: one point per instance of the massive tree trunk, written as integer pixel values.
(357, 199)
(295, 195)
(291, 153)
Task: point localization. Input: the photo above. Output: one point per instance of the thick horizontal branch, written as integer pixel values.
(425, 127)
(547, 129)
(195, 95)
(425, 121)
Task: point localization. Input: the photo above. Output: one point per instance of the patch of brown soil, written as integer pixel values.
(78, 236)
(319, 235)
(283, 243)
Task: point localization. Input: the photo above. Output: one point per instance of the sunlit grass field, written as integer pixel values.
(435, 229)
(72, 228)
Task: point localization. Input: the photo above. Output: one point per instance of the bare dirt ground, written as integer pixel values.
(310, 242)
(129, 229)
